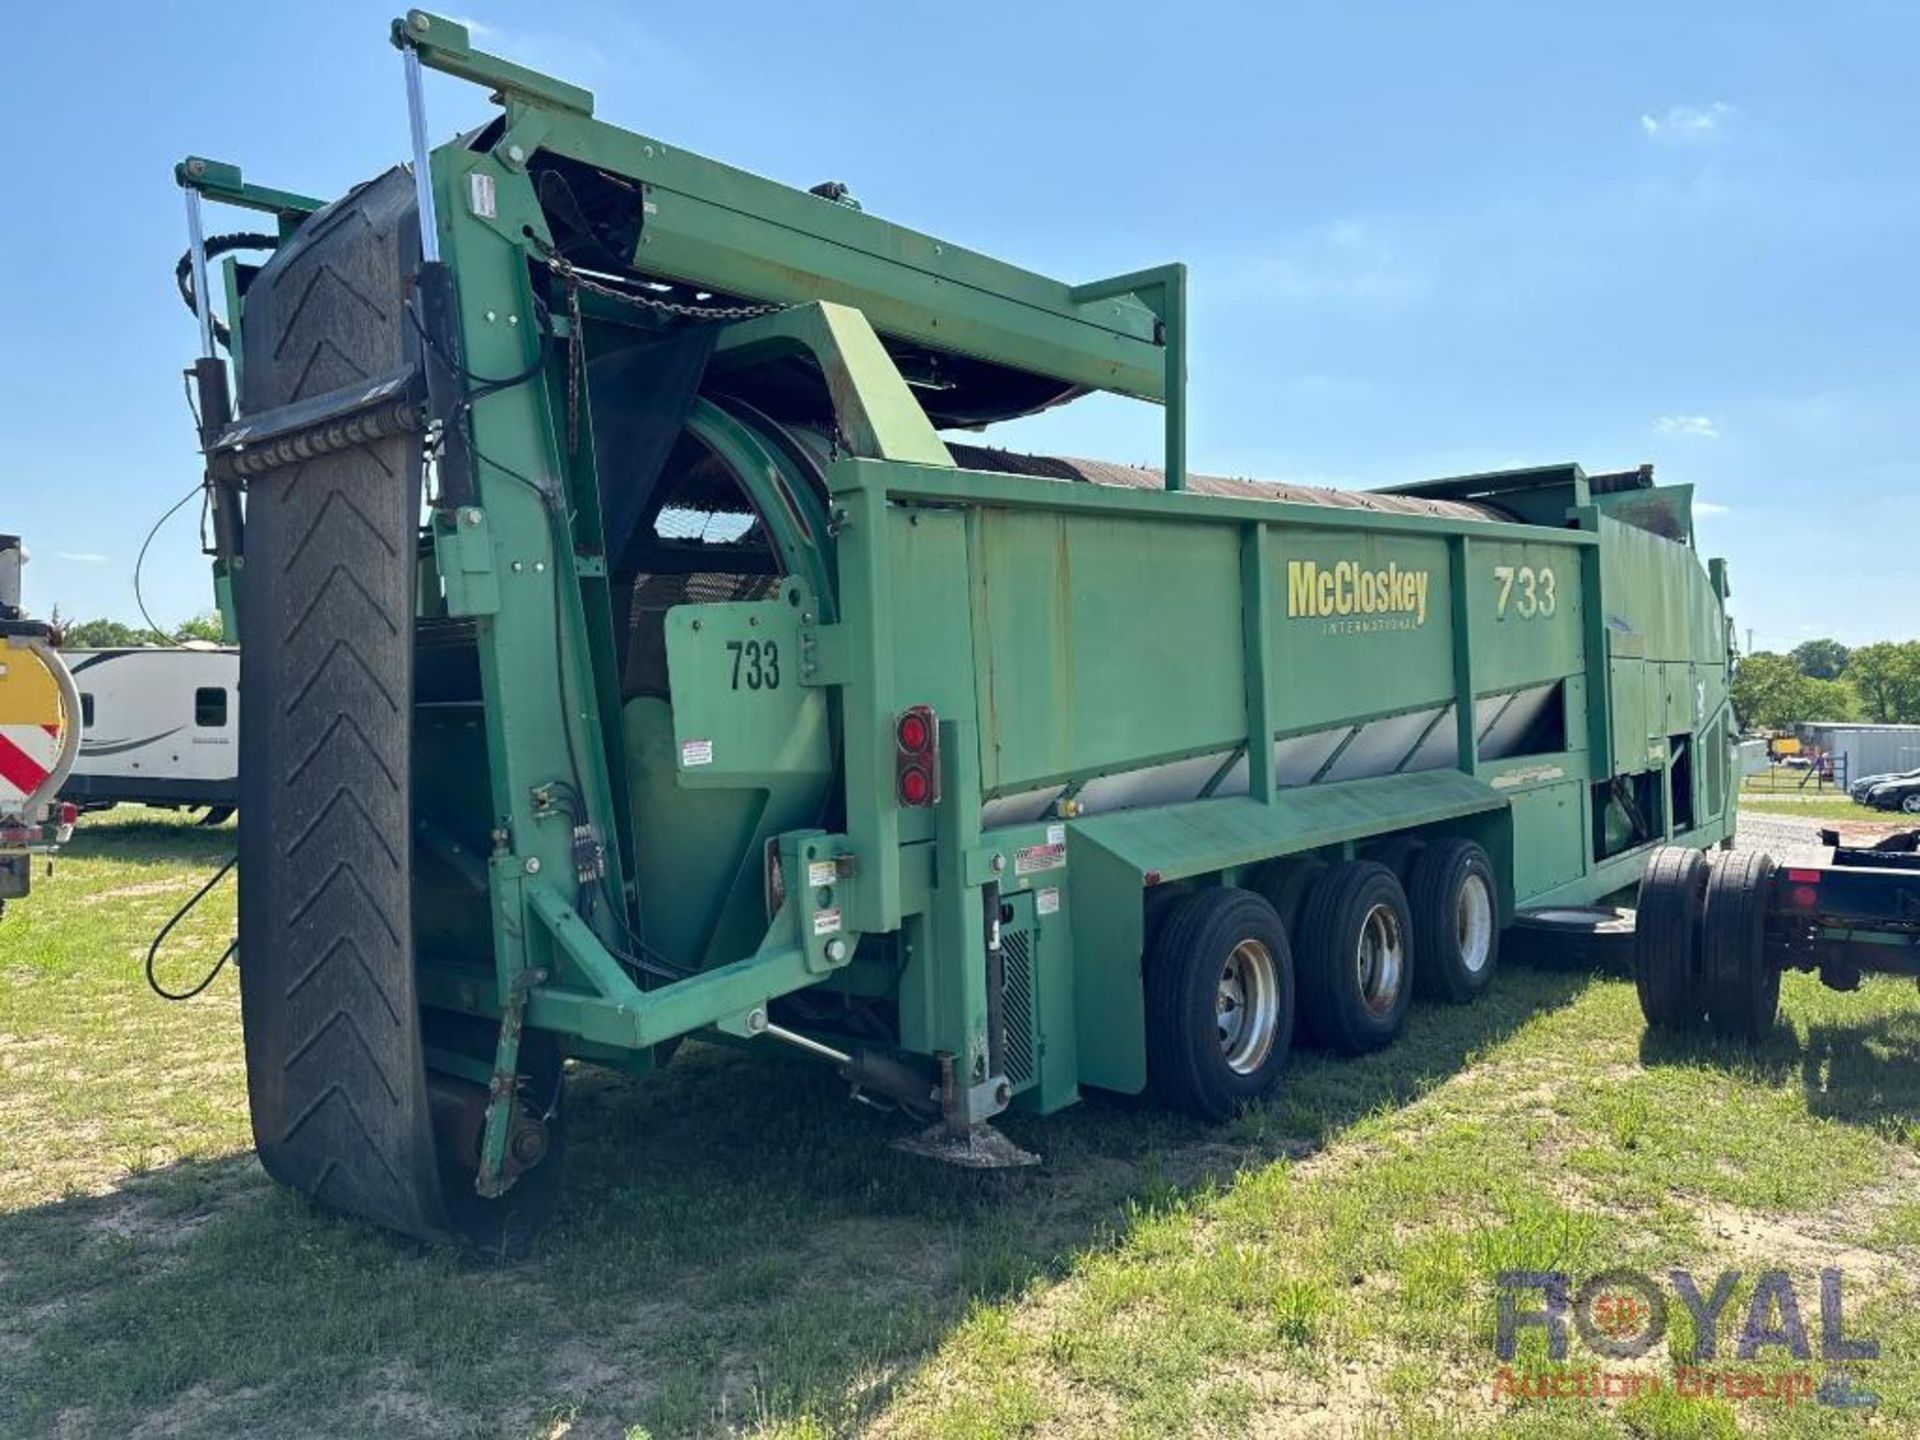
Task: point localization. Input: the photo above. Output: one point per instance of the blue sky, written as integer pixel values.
(1424, 238)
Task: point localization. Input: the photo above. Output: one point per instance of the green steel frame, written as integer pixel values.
(888, 568)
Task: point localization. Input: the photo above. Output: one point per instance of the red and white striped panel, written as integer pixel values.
(28, 754)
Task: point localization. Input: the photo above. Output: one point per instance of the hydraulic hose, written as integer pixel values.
(217, 245)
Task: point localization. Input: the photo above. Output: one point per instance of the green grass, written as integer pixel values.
(740, 1252)
(1783, 780)
(1825, 809)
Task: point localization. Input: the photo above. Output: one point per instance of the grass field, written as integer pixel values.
(1827, 807)
(741, 1253)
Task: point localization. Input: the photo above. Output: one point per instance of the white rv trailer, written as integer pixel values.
(159, 726)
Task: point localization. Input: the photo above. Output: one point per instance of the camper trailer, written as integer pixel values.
(159, 726)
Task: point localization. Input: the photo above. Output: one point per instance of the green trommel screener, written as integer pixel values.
(629, 653)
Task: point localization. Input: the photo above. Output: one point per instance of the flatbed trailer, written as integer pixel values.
(1715, 933)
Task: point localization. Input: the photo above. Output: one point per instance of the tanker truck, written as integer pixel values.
(632, 649)
(39, 734)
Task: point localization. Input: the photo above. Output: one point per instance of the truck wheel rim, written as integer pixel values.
(1247, 1006)
(1911, 804)
(1382, 959)
(1473, 923)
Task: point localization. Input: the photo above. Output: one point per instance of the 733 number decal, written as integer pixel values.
(756, 663)
(1531, 593)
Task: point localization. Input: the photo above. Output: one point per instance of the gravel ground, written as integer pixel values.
(1786, 837)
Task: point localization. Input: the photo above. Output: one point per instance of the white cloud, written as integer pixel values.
(1707, 507)
(1687, 124)
(83, 557)
(1698, 427)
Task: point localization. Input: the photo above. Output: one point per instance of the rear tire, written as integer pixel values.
(1399, 853)
(1284, 884)
(1154, 910)
(1356, 958)
(1742, 982)
(1455, 903)
(1666, 950)
(1220, 997)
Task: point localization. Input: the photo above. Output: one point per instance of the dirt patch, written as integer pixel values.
(134, 892)
(152, 1225)
(1801, 1245)
(194, 1412)
(395, 1403)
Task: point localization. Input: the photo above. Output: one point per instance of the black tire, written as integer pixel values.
(1455, 902)
(1155, 906)
(1352, 1001)
(1193, 1062)
(1741, 980)
(1399, 853)
(335, 1060)
(1582, 938)
(1666, 949)
(1284, 884)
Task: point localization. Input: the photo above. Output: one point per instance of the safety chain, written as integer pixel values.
(572, 278)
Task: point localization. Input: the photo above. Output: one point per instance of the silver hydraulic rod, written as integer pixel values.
(422, 176)
(813, 1047)
(197, 252)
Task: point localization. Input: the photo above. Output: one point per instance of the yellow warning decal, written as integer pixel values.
(29, 693)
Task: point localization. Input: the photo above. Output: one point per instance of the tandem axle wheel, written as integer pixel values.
(1702, 961)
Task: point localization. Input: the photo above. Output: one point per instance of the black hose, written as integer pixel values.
(153, 950)
(213, 247)
(140, 561)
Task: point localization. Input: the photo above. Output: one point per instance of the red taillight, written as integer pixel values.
(69, 814)
(915, 786)
(917, 756)
(916, 736)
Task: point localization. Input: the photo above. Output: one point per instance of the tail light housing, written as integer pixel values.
(916, 757)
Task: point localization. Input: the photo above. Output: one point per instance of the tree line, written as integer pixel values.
(1825, 680)
(105, 634)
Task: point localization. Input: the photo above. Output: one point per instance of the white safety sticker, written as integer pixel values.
(1047, 901)
(480, 195)
(695, 752)
(826, 922)
(1056, 835)
(821, 873)
(1035, 858)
